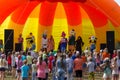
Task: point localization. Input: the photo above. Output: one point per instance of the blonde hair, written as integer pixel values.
(25, 62)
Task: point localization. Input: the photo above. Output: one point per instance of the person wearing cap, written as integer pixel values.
(2, 66)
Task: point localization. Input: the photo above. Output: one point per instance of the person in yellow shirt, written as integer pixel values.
(30, 41)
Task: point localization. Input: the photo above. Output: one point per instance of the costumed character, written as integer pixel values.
(63, 42)
(31, 42)
(44, 41)
(71, 41)
(92, 42)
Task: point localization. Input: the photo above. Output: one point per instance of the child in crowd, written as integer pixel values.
(115, 71)
(98, 62)
(54, 69)
(91, 68)
(41, 67)
(106, 69)
(84, 58)
(25, 70)
(34, 70)
(9, 59)
(19, 64)
(2, 66)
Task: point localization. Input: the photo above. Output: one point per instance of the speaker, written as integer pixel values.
(8, 40)
(103, 46)
(110, 41)
(18, 46)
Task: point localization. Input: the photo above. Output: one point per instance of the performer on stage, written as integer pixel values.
(31, 42)
(20, 40)
(71, 41)
(51, 44)
(92, 42)
(63, 42)
(44, 41)
(79, 44)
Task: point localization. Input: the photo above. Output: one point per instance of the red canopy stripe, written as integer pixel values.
(21, 14)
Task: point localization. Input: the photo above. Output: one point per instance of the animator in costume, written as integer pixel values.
(63, 42)
(71, 41)
(31, 42)
(92, 42)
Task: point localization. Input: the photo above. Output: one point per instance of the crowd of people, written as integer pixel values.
(62, 64)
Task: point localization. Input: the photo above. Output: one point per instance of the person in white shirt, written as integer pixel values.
(91, 68)
(44, 41)
(69, 62)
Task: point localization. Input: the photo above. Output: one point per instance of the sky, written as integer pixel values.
(118, 2)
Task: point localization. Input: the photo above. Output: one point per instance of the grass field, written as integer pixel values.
(98, 76)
